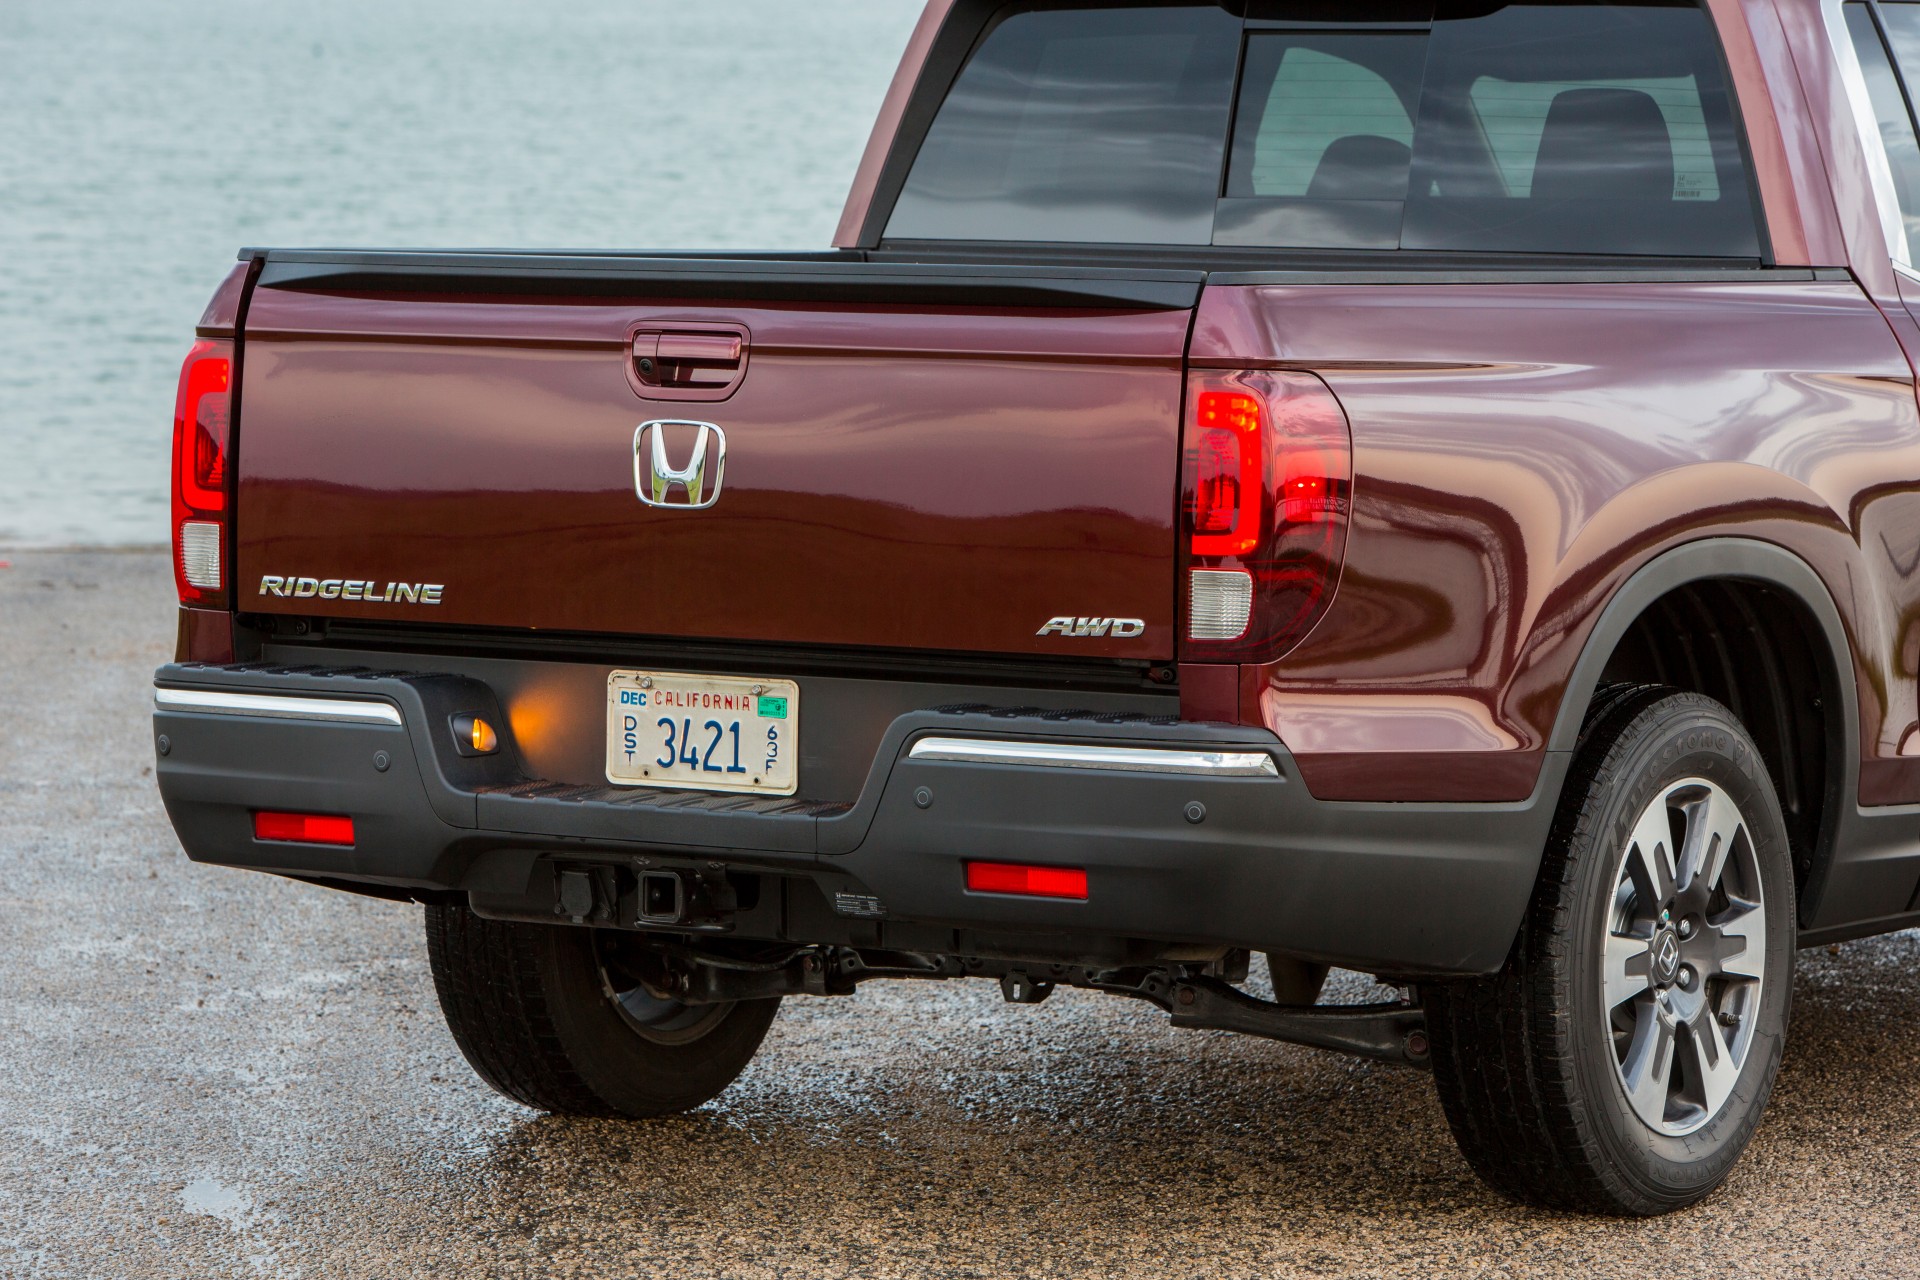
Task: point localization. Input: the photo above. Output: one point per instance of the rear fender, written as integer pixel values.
(1848, 833)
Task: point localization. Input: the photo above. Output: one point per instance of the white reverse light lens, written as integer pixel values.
(1220, 604)
(200, 554)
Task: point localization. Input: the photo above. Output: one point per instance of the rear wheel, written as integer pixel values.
(1620, 1061)
(554, 1018)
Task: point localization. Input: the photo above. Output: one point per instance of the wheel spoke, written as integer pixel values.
(1650, 859)
(1648, 1070)
(1712, 824)
(1629, 969)
(1737, 942)
(1714, 1067)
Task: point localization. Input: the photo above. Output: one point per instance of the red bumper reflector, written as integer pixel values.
(1028, 882)
(303, 828)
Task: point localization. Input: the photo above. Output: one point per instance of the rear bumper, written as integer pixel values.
(1190, 834)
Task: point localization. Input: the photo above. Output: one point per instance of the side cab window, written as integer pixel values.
(1869, 28)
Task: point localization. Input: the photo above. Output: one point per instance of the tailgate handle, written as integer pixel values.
(688, 361)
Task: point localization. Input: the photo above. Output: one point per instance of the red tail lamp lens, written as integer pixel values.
(1226, 494)
(201, 414)
(303, 828)
(1027, 882)
(1269, 467)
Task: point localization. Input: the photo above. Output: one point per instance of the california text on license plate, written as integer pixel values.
(703, 733)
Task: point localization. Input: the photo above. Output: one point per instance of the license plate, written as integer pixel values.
(703, 733)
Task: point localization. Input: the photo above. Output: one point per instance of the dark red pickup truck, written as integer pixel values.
(1424, 486)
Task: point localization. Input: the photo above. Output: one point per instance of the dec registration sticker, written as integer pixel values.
(703, 733)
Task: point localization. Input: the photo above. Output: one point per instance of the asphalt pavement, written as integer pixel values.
(208, 1073)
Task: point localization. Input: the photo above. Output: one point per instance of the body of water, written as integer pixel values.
(143, 142)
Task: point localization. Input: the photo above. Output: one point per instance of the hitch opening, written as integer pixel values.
(663, 898)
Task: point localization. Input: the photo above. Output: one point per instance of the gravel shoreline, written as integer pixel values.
(209, 1073)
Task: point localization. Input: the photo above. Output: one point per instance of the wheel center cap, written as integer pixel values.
(1666, 957)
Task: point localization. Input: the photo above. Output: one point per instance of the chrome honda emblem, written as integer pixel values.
(697, 484)
(1666, 958)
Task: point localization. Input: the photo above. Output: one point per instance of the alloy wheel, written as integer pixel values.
(1685, 957)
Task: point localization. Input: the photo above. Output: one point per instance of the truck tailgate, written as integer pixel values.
(950, 473)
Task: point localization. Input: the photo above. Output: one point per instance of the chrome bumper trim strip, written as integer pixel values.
(1067, 755)
(276, 707)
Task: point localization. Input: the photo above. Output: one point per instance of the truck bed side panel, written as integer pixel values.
(1521, 449)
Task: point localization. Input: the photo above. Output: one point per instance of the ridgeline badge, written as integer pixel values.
(361, 589)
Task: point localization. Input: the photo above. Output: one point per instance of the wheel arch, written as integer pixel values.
(1679, 600)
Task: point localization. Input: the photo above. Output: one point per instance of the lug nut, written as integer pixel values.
(1686, 928)
(1686, 975)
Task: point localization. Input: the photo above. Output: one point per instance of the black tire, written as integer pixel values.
(1549, 1071)
(531, 1009)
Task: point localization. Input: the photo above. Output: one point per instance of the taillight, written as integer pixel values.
(202, 413)
(1269, 467)
(1228, 452)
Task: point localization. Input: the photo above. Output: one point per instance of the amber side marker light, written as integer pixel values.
(1027, 882)
(303, 828)
(473, 736)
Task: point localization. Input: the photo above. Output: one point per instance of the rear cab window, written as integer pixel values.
(1449, 126)
(1094, 125)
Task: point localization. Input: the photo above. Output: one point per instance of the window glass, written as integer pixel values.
(1513, 114)
(1890, 111)
(1324, 141)
(1547, 127)
(1577, 128)
(1322, 95)
(1092, 125)
(1903, 33)
(1543, 127)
